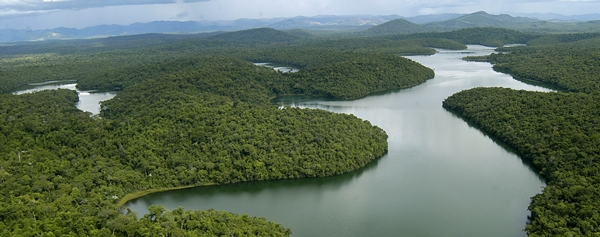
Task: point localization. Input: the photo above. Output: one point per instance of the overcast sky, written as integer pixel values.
(44, 14)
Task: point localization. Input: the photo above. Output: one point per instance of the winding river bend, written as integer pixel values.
(441, 176)
(89, 101)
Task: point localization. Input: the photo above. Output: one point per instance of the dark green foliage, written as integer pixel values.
(572, 66)
(180, 120)
(192, 111)
(180, 222)
(438, 43)
(556, 132)
(326, 73)
(224, 76)
(489, 36)
(159, 133)
(233, 141)
(413, 46)
(484, 58)
(351, 78)
(264, 35)
(480, 19)
(561, 38)
(300, 33)
(559, 134)
(117, 67)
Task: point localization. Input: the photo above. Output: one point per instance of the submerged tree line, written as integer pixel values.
(193, 110)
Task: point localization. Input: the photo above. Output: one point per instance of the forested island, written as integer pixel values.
(193, 110)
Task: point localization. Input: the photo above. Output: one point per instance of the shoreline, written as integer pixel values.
(135, 195)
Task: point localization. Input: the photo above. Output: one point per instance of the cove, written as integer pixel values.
(88, 100)
(441, 176)
(277, 68)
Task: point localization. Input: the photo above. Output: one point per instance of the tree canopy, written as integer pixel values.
(190, 112)
(557, 132)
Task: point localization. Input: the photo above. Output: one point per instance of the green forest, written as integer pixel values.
(194, 110)
(558, 132)
(189, 112)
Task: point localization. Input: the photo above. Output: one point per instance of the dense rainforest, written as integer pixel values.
(558, 132)
(488, 36)
(193, 110)
(190, 112)
(89, 60)
(572, 64)
(92, 61)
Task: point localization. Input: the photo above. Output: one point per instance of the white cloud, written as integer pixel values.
(32, 5)
(40, 14)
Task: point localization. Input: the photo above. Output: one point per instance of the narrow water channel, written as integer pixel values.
(441, 176)
(89, 101)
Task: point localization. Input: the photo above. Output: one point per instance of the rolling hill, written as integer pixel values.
(481, 19)
(397, 26)
(256, 35)
(374, 25)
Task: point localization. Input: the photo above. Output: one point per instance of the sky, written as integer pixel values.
(47, 14)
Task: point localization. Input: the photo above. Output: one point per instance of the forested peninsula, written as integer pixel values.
(558, 132)
(190, 112)
(193, 110)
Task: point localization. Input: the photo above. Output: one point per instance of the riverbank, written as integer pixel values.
(131, 196)
(459, 179)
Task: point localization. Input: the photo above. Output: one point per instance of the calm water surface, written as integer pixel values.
(441, 176)
(277, 68)
(88, 100)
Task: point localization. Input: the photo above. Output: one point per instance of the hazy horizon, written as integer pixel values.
(48, 14)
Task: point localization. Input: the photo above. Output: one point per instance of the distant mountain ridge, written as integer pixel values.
(481, 19)
(12, 35)
(317, 22)
(553, 17)
(422, 19)
(370, 25)
(397, 26)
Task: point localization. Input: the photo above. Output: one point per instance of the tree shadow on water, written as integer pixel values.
(511, 150)
(318, 184)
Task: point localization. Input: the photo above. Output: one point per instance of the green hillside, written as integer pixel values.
(571, 66)
(190, 112)
(263, 35)
(480, 19)
(483, 19)
(489, 36)
(397, 26)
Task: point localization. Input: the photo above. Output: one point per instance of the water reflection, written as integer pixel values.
(500, 143)
(285, 187)
(277, 68)
(441, 176)
(89, 101)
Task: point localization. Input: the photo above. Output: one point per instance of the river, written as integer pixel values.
(88, 100)
(441, 177)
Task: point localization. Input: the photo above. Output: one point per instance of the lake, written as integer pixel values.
(88, 100)
(441, 176)
(277, 68)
